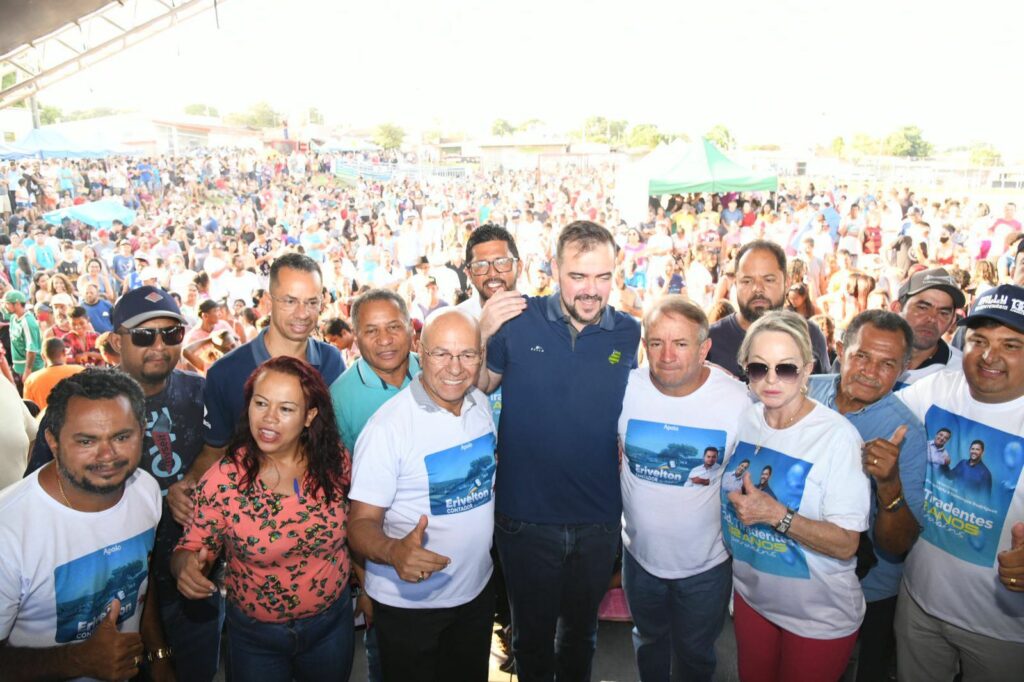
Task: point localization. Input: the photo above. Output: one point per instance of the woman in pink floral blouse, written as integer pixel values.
(277, 506)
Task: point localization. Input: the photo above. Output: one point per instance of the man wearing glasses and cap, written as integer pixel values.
(149, 329)
(960, 605)
(928, 301)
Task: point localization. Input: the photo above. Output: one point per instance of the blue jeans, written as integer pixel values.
(373, 669)
(676, 621)
(315, 648)
(556, 576)
(192, 629)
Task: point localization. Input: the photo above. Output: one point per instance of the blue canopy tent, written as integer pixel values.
(101, 213)
(42, 143)
(9, 152)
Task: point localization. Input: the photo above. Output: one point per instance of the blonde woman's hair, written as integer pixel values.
(785, 321)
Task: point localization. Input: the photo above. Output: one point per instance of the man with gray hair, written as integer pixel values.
(677, 415)
(874, 351)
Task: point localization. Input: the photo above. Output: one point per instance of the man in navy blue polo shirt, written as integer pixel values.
(562, 365)
(296, 292)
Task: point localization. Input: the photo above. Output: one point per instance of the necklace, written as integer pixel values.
(60, 487)
(775, 432)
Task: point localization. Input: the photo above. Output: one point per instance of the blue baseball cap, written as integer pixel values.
(1004, 304)
(142, 304)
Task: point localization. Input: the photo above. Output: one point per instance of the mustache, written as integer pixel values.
(588, 297)
(120, 463)
(867, 382)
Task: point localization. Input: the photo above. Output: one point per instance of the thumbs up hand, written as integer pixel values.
(109, 654)
(1011, 561)
(411, 560)
(881, 457)
(753, 505)
(191, 569)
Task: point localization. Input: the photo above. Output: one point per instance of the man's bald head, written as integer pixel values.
(441, 321)
(451, 352)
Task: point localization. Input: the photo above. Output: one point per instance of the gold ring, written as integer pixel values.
(422, 577)
(875, 461)
(1013, 581)
(136, 661)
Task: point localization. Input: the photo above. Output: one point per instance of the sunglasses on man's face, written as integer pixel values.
(146, 336)
(787, 372)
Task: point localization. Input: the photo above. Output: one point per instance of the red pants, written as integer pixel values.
(767, 653)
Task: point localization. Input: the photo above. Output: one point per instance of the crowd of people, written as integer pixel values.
(280, 401)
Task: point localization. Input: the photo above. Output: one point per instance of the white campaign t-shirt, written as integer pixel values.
(911, 376)
(671, 526)
(814, 467)
(414, 458)
(60, 568)
(952, 570)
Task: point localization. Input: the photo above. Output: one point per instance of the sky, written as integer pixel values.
(792, 72)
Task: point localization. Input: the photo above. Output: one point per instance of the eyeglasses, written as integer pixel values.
(288, 303)
(787, 371)
(468, 358)
(481, 267)
(143, 337)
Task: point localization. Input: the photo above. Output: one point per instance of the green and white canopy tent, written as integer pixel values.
(702, 167)
(684, 168)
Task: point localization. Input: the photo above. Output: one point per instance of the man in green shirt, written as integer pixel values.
(383, 334)
(26, 339)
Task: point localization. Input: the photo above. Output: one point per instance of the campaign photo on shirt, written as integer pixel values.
(783, 477)
(966, 499)
(85, 586)
(461, 477)
(670, 454)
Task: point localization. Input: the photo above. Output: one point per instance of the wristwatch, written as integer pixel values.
(160, 654)
(787, 520)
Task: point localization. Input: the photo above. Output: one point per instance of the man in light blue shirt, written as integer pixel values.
(383, 334)
(874, 352)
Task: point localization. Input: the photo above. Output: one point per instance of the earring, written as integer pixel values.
(803, 389)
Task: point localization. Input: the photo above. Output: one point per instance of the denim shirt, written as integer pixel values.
(880, 420)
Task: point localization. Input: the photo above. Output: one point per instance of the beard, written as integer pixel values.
(485, 290)
(575, 314)
(751, 314)
(82, 483)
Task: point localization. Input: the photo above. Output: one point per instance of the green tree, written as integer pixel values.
(96, 112)
(907, 141)
(9, 80)
(49, 114)
(389, 136)
(839, 147)
(201, 110)
(644, 135)
(984, 154)
(259, 115)
(502, 128)
(863, 143)
(617, 130)
(721, 136)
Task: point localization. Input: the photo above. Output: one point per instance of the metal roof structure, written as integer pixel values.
(44, 41)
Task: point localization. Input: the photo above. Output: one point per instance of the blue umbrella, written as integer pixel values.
(96, 213)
